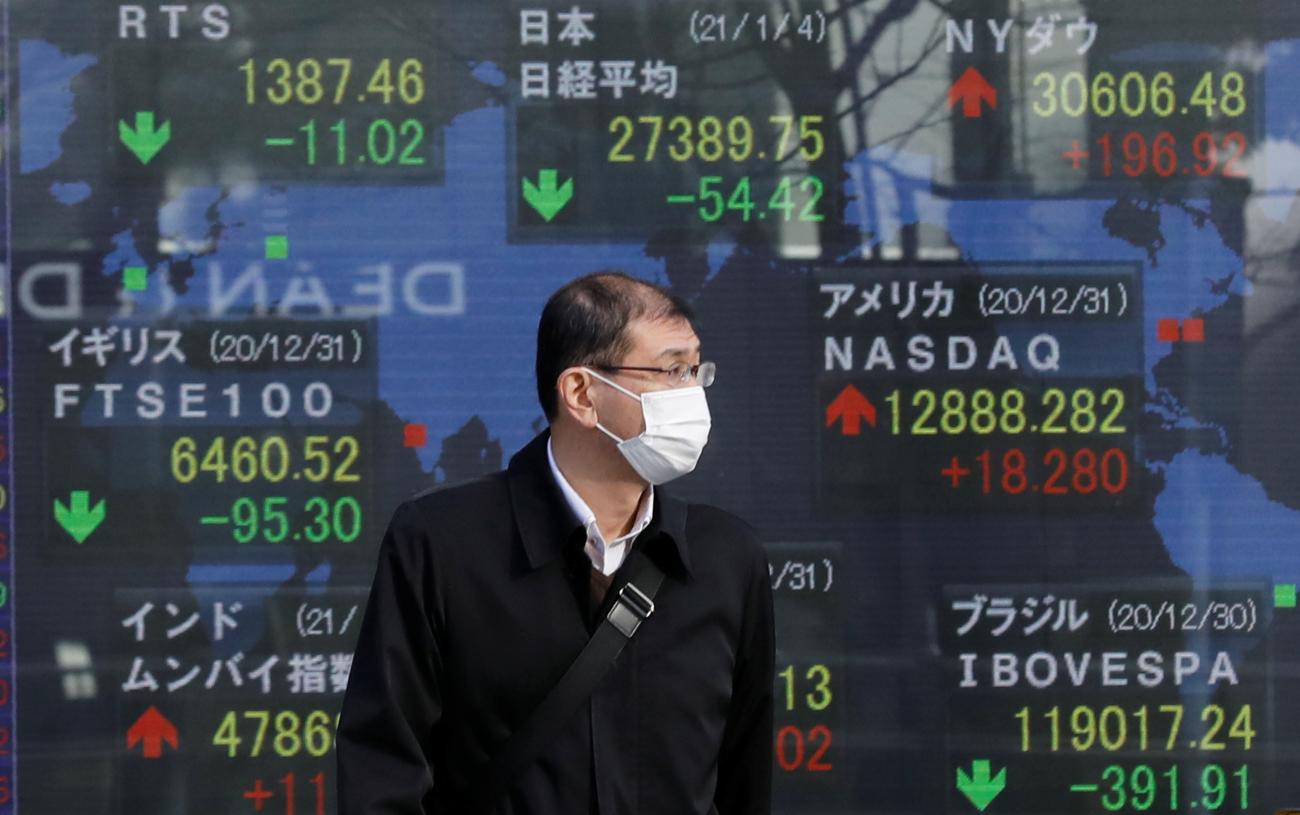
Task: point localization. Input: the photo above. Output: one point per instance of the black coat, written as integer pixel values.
(479, 605)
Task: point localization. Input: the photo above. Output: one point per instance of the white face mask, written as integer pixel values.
(676, 429)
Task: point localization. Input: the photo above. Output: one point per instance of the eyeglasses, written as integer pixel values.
(679, 374)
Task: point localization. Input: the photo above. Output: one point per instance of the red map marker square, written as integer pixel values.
(415, 435)
(1167, 330)
(1194, 330)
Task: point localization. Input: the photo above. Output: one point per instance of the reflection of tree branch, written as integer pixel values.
(907, 133)
(781, 61)
(716, 55)
(897, 76)
(895, 12)
(444, 44)
(944, 8)
(749, 44)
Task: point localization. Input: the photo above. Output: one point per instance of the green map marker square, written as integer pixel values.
(1284, 595)
(135, 278)
(277, 247)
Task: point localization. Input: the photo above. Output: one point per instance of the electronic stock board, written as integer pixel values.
(1002, 295)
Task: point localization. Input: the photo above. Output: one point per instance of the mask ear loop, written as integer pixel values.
(612, 384)
(616, 386)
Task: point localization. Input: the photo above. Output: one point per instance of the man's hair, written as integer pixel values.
(585, 323)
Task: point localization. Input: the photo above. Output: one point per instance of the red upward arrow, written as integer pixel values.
(153, 729)
(852, 407)
(969, 89)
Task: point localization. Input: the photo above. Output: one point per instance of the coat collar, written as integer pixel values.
(545, 522)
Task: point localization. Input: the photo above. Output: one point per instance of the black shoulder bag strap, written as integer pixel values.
(633, 604)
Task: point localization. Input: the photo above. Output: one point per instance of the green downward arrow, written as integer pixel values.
(979, 787)
(79, 520)
(144, 140)
(544, 196)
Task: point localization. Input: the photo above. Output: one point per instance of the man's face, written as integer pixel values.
(655, 344)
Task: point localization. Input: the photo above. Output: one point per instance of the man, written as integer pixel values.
(485, 593)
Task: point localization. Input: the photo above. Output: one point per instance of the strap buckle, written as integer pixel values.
(632, 607)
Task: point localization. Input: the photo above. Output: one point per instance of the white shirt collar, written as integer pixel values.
(606, 557)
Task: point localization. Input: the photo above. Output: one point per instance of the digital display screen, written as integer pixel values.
(1002, 294)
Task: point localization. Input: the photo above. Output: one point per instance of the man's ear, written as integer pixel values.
(574, 396)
